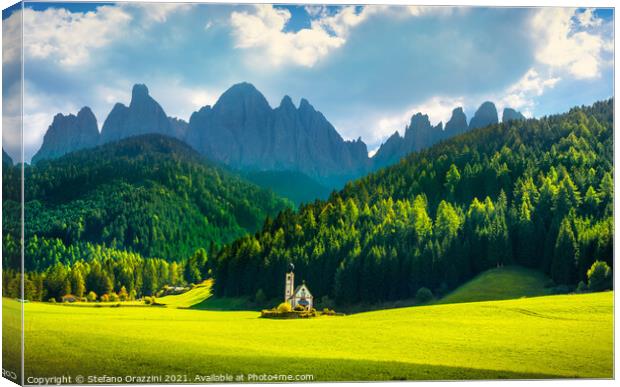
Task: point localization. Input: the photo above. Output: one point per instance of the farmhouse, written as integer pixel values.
(299, 295)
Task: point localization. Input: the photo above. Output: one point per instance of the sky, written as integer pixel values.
(368, 69)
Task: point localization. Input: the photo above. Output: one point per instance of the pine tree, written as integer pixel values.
(565, 255)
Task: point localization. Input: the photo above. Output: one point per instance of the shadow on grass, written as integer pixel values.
(322, 370)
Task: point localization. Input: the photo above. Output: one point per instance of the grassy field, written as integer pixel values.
(191, 298)
(542, 337)
(504, 283)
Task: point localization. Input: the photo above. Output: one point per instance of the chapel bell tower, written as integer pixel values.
(289, 284)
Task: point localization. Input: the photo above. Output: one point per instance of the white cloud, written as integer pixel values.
(523, 93)
(424, 10)
(185, 100)
(68, 37)
(569, 41)
(158, 12)
(263, 30)
(316, 10)
(343, 21)
(11, 37)
(587, 19)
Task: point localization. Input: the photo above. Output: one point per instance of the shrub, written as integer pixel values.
(148, 300)
(582, 287)
(599, 277)
(52, 300)
(113, 297)
(122, 294)
(284, 307)
(104, 298)
(91, 296)
(300, 308)
(423, 295)
(327, 302)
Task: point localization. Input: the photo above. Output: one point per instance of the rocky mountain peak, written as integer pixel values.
(511, 115)
(419, 121)
(69, 133)
(144, 115)
(287, 103)
(139, 92)
(242, 95)
(485, 115)
(457, 123)
(305, 107)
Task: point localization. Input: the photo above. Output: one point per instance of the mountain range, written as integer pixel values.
(242, 131)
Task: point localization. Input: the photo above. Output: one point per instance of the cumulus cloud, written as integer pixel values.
(316, 10)
(68, 38)
(570, 40)
(341, 23)
(158, 12)
(523, 93)
(263, 31)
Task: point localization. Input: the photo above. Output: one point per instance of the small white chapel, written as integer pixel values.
(299, 295)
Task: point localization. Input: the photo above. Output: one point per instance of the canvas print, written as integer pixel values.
(217, 192)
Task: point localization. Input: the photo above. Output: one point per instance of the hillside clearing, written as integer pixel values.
(194, 296)
(503, 283)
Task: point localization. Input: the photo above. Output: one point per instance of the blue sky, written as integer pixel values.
(368, 69)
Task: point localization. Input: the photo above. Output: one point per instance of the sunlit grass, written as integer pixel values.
(503, 283)
(195, 296)
(551, 336)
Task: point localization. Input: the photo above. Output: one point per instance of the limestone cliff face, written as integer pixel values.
(511, 115)
(457, 123)
(69, 133)
(485, 115)
(419, 134)
(244, 132)
(142, 116)
(179, 127)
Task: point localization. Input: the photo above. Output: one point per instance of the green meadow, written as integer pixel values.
(563, 336)
(503, 283)
(195, 296)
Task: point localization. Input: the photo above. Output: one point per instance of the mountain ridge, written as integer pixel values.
(241, 130)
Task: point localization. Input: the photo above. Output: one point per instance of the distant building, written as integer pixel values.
(299, 295)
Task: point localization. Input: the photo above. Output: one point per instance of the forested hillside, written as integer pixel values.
(537, 192)
(152, 195)
(125, 219)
